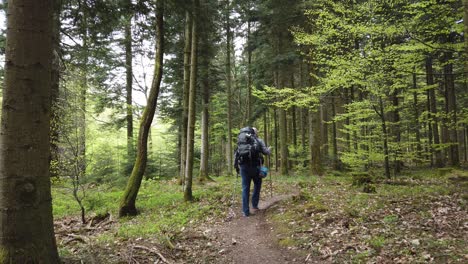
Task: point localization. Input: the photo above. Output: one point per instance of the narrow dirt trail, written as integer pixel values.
(251, 240)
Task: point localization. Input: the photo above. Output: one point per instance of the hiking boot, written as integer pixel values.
(255, 209)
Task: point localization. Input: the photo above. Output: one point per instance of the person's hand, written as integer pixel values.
(237, 169)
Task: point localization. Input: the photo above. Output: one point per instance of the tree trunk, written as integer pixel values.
(55, 90)
(275, 121)
(127, 204)
(396, 131)
(385, 138)
(188, 196)
(228, 87)
(205, 121)
(185, 96)
(314, 142)
(439, 162)
(336, 159)
(27, 233)
(454, 157)
(416, 119)
(249, 72)
(283, 137)
(324, 127)
(129, 85)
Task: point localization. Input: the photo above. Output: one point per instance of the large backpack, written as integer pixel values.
(248, 148)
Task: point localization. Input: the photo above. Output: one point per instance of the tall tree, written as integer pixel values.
(27, 234)
(229, 87)
(186, 89)
(188, 196)
(127, 203)
(129, 78)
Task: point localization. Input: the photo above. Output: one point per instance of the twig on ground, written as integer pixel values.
(152, 250)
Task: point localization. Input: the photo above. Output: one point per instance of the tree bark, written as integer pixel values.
(185, 96)
(27, 233)
(283, 137)
(188, 196)
(127, 204)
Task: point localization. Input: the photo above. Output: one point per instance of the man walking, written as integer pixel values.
(248, 160)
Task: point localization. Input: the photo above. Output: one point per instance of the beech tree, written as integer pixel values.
(27, 234)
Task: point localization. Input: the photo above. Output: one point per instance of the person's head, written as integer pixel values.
(255, 130)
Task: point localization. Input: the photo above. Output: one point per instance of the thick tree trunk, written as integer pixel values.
(228, 87)
(127, 203)
(188, 196)
(27, 233)
(129, 86)
(439, 161)
(314, 142)
(185, 96)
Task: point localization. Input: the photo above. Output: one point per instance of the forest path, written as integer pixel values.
(252, 240)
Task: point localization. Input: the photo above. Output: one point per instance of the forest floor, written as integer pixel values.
(421, 217)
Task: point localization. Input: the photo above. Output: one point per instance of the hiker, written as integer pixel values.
(248, 160)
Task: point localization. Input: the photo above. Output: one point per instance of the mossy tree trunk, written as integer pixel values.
(439, 162)
(127, 204)
(315, 142)
(27, 233)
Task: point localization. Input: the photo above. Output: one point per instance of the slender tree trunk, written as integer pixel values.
(27, 233)
(430, 133)
(465, 31)
(283, 137)
(188, 196)
(396, 131)
(249, 73)
(314, 142)
(129, 85)
(228, 87)
(336, 160)
(324, 127)
(385, 138)
(55, 92)
(439, 162)
(185, 96)
(416, 118)
(205, 122)
(127, 203)
(451, 106)
(275, 120)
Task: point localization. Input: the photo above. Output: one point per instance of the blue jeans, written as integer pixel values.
(249, 174)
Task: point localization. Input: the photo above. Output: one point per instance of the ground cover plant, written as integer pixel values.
(417, 218)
